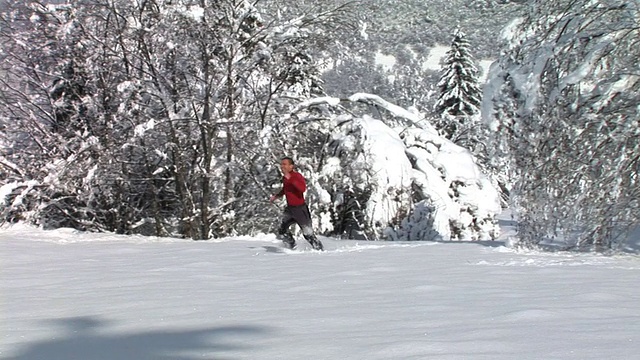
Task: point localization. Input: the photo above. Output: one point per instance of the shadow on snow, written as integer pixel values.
(83, 338)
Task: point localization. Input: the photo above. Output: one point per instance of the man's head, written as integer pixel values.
(286, 165)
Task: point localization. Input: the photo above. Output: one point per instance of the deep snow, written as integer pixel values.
(68, 295)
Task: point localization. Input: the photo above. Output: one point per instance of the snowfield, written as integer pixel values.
(68, 295)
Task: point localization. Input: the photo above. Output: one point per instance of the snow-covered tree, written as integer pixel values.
(157, 127)
(397, 178)
(44, 94)
(563, 99)
(172, 124)
(459, 96)
(183, 93)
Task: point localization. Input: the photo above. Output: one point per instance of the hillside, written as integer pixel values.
(410, 33)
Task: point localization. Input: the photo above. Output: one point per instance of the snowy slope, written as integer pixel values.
(67, 295)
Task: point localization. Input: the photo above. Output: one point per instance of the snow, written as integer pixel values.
(333, 101)
(7, 189)
(457, 200)
(396, 110)
(363, 30)
(142, 128)
(484, 65)
(390, 167)
(69, 295)
(387, 62)
(436, 54)
(448, 177)
(195, 12)
(609, 91)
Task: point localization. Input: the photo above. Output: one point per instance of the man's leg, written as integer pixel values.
(302, 216)
(307, 232)
(283, 233)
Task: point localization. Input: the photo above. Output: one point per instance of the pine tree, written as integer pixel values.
(459, 94)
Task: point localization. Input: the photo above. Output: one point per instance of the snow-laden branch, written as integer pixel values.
(11, 166)
(414, 118)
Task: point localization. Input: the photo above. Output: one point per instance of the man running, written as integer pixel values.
(297, 211)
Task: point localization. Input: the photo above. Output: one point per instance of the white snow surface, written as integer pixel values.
(436, 54)
(69, 295)
(387, 62)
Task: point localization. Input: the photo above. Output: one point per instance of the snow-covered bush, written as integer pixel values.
(409, 183)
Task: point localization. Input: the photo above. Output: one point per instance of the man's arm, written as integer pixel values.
(277, 196)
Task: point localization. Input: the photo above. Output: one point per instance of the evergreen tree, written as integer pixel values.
(459, 94)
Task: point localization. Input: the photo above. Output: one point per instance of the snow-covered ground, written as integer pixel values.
(67, 295)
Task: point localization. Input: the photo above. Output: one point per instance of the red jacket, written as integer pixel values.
(293, 188)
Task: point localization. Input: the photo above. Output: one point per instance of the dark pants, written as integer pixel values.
(301, 216)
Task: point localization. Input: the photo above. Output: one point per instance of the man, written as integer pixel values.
(297, 211)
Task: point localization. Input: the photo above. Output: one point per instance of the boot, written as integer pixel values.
(315, 243)
(288, 240)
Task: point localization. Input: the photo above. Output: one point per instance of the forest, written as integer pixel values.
(169, 117)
